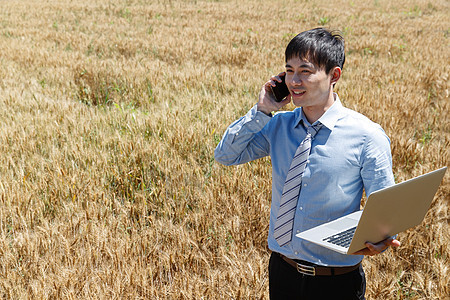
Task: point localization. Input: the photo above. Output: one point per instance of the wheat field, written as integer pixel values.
(110, 113)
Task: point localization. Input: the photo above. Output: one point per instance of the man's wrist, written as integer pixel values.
(265, 111)
(267, 114)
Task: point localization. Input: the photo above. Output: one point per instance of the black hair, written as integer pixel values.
(320, 46)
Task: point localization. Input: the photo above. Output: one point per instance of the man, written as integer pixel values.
(345, 153)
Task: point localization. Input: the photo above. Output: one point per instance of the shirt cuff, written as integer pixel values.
(253, 120)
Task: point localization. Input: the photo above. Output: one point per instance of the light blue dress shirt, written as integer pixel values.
(349, 153)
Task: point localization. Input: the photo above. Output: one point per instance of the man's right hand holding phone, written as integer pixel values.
(268, 102)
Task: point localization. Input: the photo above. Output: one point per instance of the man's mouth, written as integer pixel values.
(299, 93)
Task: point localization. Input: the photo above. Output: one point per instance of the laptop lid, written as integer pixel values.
(396, 208)
(387, 212)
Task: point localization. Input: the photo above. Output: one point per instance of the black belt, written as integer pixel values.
(313, 270)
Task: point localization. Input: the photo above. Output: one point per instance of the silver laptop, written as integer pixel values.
(387, 212)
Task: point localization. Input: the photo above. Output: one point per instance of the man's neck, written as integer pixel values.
(313, 113)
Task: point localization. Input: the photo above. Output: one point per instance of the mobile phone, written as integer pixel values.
(280, 90)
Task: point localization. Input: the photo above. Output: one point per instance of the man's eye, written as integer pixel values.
(289, 71)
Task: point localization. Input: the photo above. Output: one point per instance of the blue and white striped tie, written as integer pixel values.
(291, 189)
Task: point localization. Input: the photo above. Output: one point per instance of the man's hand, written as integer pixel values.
(267, 103)
(373, 249)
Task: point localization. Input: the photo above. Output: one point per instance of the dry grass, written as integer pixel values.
(110, 114)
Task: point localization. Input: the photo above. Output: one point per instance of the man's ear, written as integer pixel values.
(335, 75)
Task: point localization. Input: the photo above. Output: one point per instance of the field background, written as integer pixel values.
(110, 113)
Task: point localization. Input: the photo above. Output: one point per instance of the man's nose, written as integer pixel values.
(296, 79)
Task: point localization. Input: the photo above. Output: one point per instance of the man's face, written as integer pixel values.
(309, 85)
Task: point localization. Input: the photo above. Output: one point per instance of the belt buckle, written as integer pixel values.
(306, 270)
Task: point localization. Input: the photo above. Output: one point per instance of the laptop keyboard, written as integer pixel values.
(342, 238)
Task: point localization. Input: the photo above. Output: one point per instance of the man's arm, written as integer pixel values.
(242, 141)
(377, 174)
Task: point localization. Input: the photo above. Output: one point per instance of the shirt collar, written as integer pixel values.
(328, 119)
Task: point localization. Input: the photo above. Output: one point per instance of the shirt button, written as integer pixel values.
(296, 253)
(237, 133)
(305, 184)
(301, 208)
(298, 231)
(257, 121)
(307, 161)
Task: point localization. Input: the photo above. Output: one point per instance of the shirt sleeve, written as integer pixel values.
(377, 164)
(242, 141)
(376, 169)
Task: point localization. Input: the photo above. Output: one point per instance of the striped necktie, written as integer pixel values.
(291, 189)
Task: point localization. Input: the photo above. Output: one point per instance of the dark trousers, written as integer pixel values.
(286, 283)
